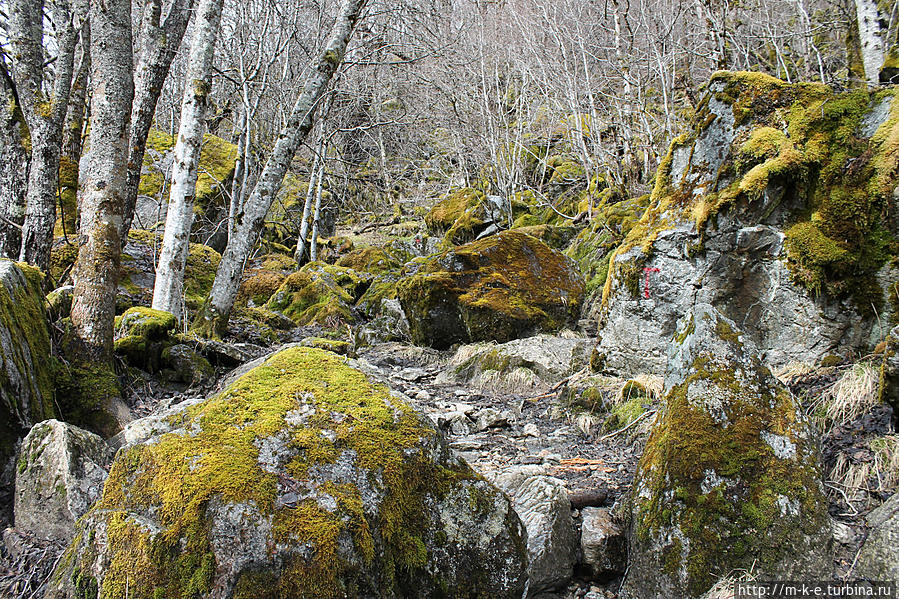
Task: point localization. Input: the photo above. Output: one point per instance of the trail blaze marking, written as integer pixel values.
(646, 273)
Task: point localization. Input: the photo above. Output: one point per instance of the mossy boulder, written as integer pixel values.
(464, 214)
(139, 271)
(730, 478)
(498, 288)
(373, 260)
(303, 478)
(320, 293)
(775, 206)
(141, 335)
(26, 385)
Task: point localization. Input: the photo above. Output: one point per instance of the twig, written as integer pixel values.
(631, 425)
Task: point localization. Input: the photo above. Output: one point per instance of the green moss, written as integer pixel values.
(372, 260)
(802, 140)
(181, 473)
(691, 441)
(83, 391)
(459, 216)
(624, 414)
(495, 288)
(319, 293)
(26, 377)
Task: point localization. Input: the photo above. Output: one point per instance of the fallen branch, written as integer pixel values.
(631, 425)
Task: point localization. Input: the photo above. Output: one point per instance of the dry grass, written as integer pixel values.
(642, 385)
(852, 395)
(725, 587)
(858, 481)
(792, 372)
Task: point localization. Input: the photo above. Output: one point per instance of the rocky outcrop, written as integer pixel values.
(542, 504)
(730, 477)
(535, 363)
(499, 288)
(772, 209)
(26, 387)
(59, 476)
(878, 558)
(303, 478)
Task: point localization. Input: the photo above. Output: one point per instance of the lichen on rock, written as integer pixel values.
(304, 476)
(730, 477)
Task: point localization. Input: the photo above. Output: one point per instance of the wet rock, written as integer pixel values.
(303, 476)
(603, 543)
(499, 288)
(59, 476)
(730, 477)
(878, 559)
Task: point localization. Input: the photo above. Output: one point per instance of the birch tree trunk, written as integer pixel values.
(13, 169)
(72, 146)
(168, 288)
(213, 319)
(103, 190)
(44, 113)
(158, 44)
(315, 173)
(316, 217)
(871, 37)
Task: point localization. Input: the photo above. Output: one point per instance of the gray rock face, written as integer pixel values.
(26, 391)
(730, 477)
(879, 557)
(542, 504)
(889, 374)
(305, 478)
(533, 363)
(603, 543)
(736, 258)
(60, 474)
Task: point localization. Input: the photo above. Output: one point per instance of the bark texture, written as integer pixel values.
(13, 168)
(168, 288)
(213, 318)
(44, 113)
(103, 191)
(158, 44)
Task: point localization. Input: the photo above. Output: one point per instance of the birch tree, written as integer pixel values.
(158, 43)
(168, 287)
(103, 192)
(13, 168)
(44, 104)
(213, 318)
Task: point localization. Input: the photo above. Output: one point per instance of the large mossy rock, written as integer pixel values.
(775, 207)
(26, 384)
(304, 478)
(320, 293)
(498, 288)
(730, 478)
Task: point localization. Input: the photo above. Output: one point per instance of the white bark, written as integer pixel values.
(227, 279)
(44, 106)
(168, 288)
(871, 38)
(158, 43)
(315, 174)
(316, 217)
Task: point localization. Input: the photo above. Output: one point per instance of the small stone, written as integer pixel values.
(423, 395)
(531, 430)
(843, 534)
